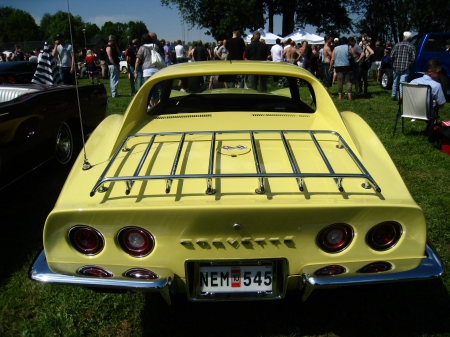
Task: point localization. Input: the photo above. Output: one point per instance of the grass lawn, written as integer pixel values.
(401, 309)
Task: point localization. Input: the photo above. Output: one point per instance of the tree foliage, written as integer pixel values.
(218, 16)
(386, 20)
(17, 25)
(58, 23)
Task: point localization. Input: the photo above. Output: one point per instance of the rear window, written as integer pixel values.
(237, 93)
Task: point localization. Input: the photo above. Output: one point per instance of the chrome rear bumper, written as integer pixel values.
(430, 267)
(40, 272)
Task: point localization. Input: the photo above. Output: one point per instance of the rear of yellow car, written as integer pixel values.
(234, 205)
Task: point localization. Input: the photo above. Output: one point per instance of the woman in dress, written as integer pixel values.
(91, 66)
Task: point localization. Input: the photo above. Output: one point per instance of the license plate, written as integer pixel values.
(232, 279)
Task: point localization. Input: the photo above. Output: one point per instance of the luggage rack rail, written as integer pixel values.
(369, 182)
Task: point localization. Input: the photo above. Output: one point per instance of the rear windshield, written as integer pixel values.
(236, 93)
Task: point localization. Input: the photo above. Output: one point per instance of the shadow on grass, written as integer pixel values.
(401, 309)
(25, 205)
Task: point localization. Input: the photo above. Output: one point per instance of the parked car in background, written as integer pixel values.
(429, 46)
(40, 122)
(230, 194)
(17, 72)
(432, 46)
(123, 65)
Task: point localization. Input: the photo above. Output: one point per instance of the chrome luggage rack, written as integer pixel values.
(369, 182)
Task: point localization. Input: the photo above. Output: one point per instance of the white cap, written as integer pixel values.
(336, 39)
(407, 34)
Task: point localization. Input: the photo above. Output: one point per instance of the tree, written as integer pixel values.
(386, 20)
(58, 23)
(5, 12)
(328, 16)
(17, 25)
(136, 29)
(219, 16)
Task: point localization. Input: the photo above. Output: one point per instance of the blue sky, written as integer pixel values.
(164, 21)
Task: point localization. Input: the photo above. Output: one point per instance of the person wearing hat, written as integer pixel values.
(66, 59)
(403, 55)
(112, 59)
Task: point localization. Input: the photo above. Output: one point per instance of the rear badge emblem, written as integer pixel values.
(238, 147)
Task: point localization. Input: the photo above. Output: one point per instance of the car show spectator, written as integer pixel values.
(91, 66)
(402, 55)
(378, 53)
(167, 54)
(64, 51)
(144, 58)
(131, 61)
(258, 51)
(340, 59)
(180, 52)
(431, 78)
(112, 52)
(327, 71)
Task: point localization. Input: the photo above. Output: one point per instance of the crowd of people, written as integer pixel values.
(346, 61)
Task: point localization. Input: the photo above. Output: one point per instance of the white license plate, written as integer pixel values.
(226, 279)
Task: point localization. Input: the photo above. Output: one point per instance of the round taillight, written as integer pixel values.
(86, 240)
(330, 270)
(141, 273)
(376, 267)
(135, 241)
(94, 271)
(384, 235)
(335, 238)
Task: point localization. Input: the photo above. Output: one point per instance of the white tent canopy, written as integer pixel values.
(270, 38)
(299, 35)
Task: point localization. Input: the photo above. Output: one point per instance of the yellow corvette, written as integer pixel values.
(234, 193)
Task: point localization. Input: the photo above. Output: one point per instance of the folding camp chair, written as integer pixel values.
(417, 103)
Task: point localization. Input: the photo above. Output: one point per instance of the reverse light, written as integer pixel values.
(330, 270)
(86, 240)
(94, 271)
(335, 238)
(135, 241)
(375, 267)
(141, 273)
(384, 236)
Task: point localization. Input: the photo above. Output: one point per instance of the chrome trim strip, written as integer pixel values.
(40, 272)
(430, 267)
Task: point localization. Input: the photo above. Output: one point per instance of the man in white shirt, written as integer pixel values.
(276, 51)
(180, 52)
(431, 77)
(66, 58)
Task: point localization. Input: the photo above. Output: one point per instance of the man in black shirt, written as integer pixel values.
(258, 51)
(200, 52)
(236, 49)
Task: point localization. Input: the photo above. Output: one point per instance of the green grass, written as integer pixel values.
(403, 309)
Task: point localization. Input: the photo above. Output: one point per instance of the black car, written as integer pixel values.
(17, 72)
(41, 122)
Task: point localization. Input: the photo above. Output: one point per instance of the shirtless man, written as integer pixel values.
(327, 74)
(291, 54)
